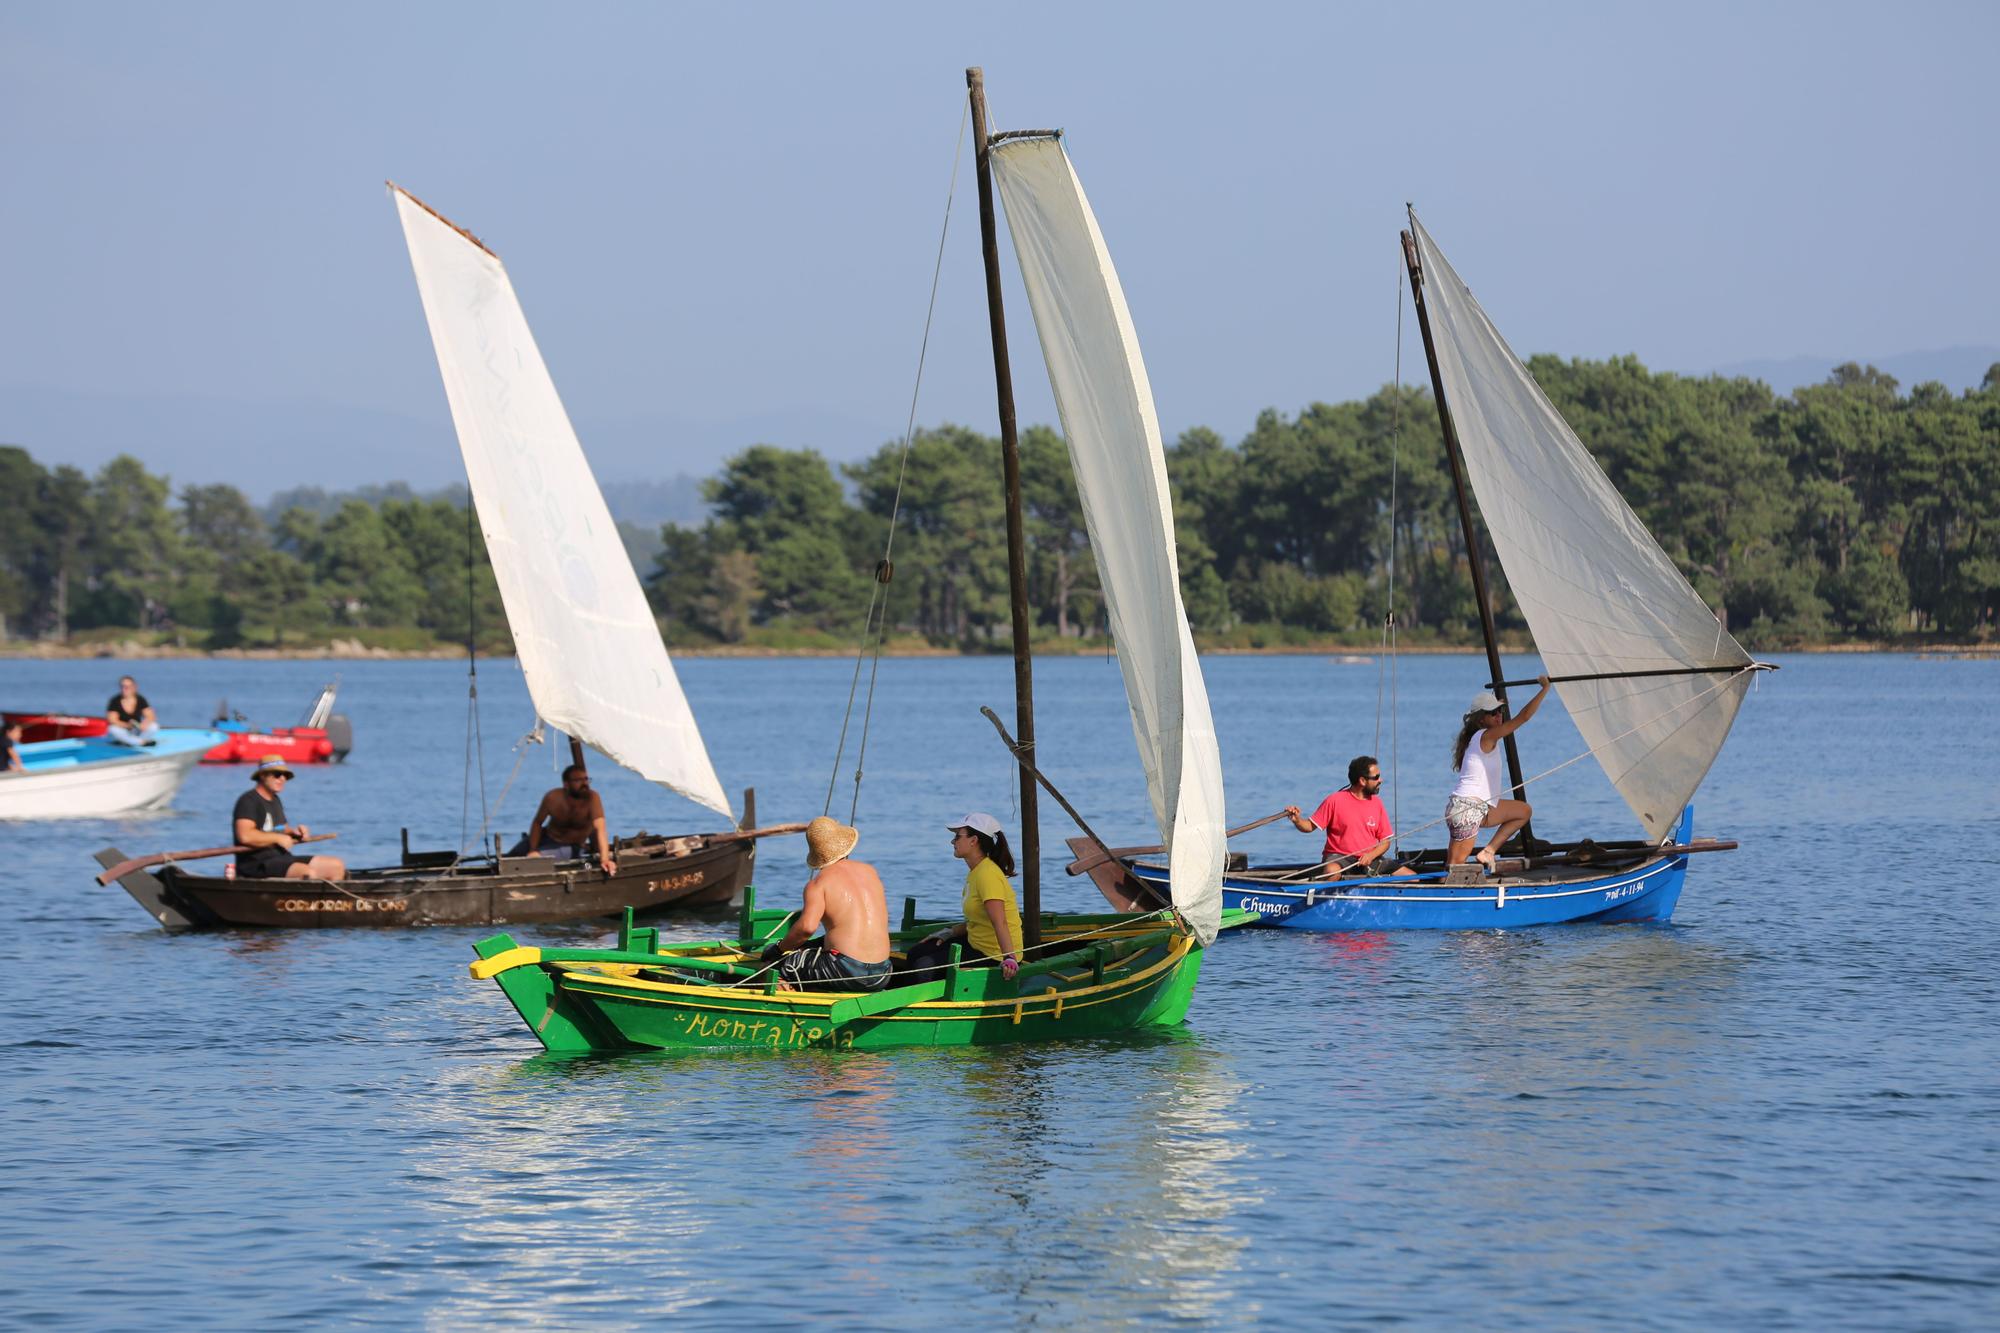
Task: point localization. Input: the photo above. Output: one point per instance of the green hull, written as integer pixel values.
(1100, 974)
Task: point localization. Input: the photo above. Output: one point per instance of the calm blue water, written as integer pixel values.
(1783, 1110)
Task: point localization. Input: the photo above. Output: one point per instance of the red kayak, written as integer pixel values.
(55, 726)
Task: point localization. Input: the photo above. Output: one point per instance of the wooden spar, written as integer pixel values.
(1633, 675)
(576, 754)
(124, 868)
(1107, 854)
(1459, 488)
(441, 218)
(1017, 555)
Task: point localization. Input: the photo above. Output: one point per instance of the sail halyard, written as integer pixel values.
(1601, 598)
(587, 640)
(1105, 402)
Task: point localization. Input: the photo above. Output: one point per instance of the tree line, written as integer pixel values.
(1843, 511)
(83, 553)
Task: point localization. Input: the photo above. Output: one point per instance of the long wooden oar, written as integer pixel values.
(124, 868)
(1082, 866)
(742, 835)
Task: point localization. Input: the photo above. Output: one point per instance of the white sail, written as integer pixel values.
(587, 640)
(1598, 592)
(1107, 413)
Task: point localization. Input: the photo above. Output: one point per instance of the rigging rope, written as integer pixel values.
(475, 740)
(1389, 626)
(876, 622)
(1609, 741)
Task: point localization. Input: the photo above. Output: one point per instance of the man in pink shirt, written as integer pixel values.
(1356, 825)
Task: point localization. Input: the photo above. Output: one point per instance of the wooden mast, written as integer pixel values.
(1017, 555)
(1459, 488)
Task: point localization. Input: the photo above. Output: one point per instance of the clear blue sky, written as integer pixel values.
(722, 218)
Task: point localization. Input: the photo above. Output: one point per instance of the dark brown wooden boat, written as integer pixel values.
(655, 873)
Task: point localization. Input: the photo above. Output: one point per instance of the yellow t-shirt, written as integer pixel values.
(986, 883)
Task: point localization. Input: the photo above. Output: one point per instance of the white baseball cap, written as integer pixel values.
(1486, 701)
(979, 821)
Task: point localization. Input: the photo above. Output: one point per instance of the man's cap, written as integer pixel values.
(978, 820)
(272, 763)
(1486, 701)
(827, 841)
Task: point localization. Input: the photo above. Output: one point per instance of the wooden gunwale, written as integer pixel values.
(637, 990)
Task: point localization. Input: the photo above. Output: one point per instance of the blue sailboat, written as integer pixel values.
(1646, 670)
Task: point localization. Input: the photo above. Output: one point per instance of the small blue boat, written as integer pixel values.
(1647, 671)
(84, 777)
(1614, 885)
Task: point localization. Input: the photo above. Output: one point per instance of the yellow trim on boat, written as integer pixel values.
(524, 955)
(578, 977)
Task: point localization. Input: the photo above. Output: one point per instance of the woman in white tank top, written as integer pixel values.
(1475, 800)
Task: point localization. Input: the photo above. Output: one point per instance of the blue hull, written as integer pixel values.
(1646, 892)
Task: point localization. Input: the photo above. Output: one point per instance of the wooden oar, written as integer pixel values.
(1082, 866)
(744, 835)
(124, 868)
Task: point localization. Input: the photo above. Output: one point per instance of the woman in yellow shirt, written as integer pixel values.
(992, 929)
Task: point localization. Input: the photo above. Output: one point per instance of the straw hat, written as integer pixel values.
(272, 763)
(827, 841)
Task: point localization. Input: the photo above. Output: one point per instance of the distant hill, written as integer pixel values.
(1957, 368)
(263, 448)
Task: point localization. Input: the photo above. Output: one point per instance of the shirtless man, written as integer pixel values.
(258, 823)
(846, 896)
(566, 821)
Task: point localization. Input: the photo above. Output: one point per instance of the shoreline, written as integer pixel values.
(350, 650)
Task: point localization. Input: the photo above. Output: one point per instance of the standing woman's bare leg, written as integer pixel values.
(1509, 817)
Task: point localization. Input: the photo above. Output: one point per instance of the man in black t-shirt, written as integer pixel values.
(258, 823)
(10, 757)
(130, 716)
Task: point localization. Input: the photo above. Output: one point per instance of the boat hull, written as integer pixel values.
(55, 726)
(294, 745)
(1648, 891)
(86, 778)
(1113, 975)
(651, 878)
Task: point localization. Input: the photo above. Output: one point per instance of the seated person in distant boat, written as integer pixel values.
(1355, 823)
(991, 931)
(130, 717)
(846, 897)
(566, 821)
(258, 823)
(10, 751)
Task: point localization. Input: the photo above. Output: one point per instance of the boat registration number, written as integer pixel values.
(342, 904)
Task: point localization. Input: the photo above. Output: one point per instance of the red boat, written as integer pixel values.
(324, 737)
(55, 726)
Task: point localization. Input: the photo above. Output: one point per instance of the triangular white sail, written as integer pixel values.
(1106, 405)
(588, 642)
(1598, 592)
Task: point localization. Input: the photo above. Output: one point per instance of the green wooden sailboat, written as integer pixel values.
(1083, 975)
(1095, 975)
